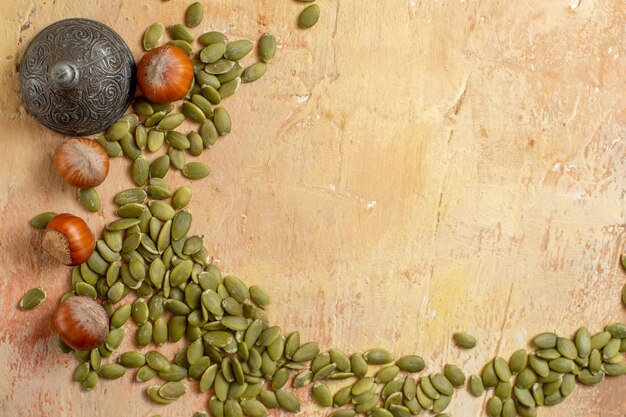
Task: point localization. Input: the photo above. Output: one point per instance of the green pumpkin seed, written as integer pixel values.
(347, 412)
(378, 356)
(141, 106)
(309, 16)
(156, 138)
(253, 408)
(211, 94)
(129, 147)
(237, 50)
(33, 298)
(212, 52)
(287, 401)
(586, 377)
(84, 289)
(267, 47)
(321, 395)
(194, 15)
(254, 72)
(91, 381)
(617, 330)
(229, 88)
(112, 371)
(89, 199)
(180, 32)
(159, 331)
(171, 122)
(455, 375)
(501, 368)
(476, 387)
(81, 372)
(41, 220)
(181, 198)
(600, 340)
(141, 136)
(144, 334)
(121, 316)
(113, 149)
(221, 66)
(539, 365)
(139, 170)
(222, 121)
(193, 112)
(440, 404)
(160, 166)
(177, 140)
(133, 195)
(161, 210)
(441, 384)
(545, 340)
(386, 374)
(494, 407)
(153, 394)
(196, 170)
(114, 339)
(362, 386)
(209, 133)
(145, 373)
(153, 120)
(232, 409)
(172, 390)
(209, 38)
(548, 354)
(518, 361)
(204, 79)
(151, 38)
(132, 359)
(411, 363)
(464, 340)
(306, 352)
(503, 390)
(228, 76)
(117, 130)
(293, 340)
(358, 365)
(202, 103)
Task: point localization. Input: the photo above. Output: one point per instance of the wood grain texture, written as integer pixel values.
(406, 169)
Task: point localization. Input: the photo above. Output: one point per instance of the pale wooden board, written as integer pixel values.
(406, 169)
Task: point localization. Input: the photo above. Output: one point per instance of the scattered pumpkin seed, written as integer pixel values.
(32, 299)
(309, 16)
(194, 15)
(151, 38)
(89, 199)
(267, 47)
(196, 170)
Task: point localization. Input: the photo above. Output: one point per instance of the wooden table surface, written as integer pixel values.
(406, 169)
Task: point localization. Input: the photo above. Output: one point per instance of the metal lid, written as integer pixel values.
(77, 77)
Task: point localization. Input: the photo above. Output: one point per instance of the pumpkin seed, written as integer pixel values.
(84, 289)
(121, 316)
(358, 365)
(139, 170)
(32, 299)
(114, 339)
(141, 136)
(377, 356)
(209, 134)
(194, 15)
(112, 371)
(237, 50)
(151, 38)
(545, 340)
(476, 387)
(212, 37)
(41, 220)
(322, 395)
(222, 121)
(221, 66)
(153, 394)
(494, 407)
(518, 361)
(347, 412)
(117, 130)
(253, 408)
(129, 147)
(196, 170)
(539, 365)
(141, 106)
(464, 340)
(193, 112)
(306, 352)
(501, 368)
(156, 138)
(211, 94)
(153, 120)
(455, 375)
(181, 197)
(212, 52)
(441, 384)
(113, 149)
(254, 72)
(287, 401)
(411, 363)
(180, 32)
(309, 16)
(160, 166)
(617, 330)
(204, 79)
(171, 122)
(159, 331)
(172, 390)
(89, 199)
(267, 47)
(229, 88)
(132, 359)
(230, 75)
(386, 374)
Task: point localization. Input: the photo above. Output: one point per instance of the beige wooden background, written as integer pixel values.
(406, 169)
